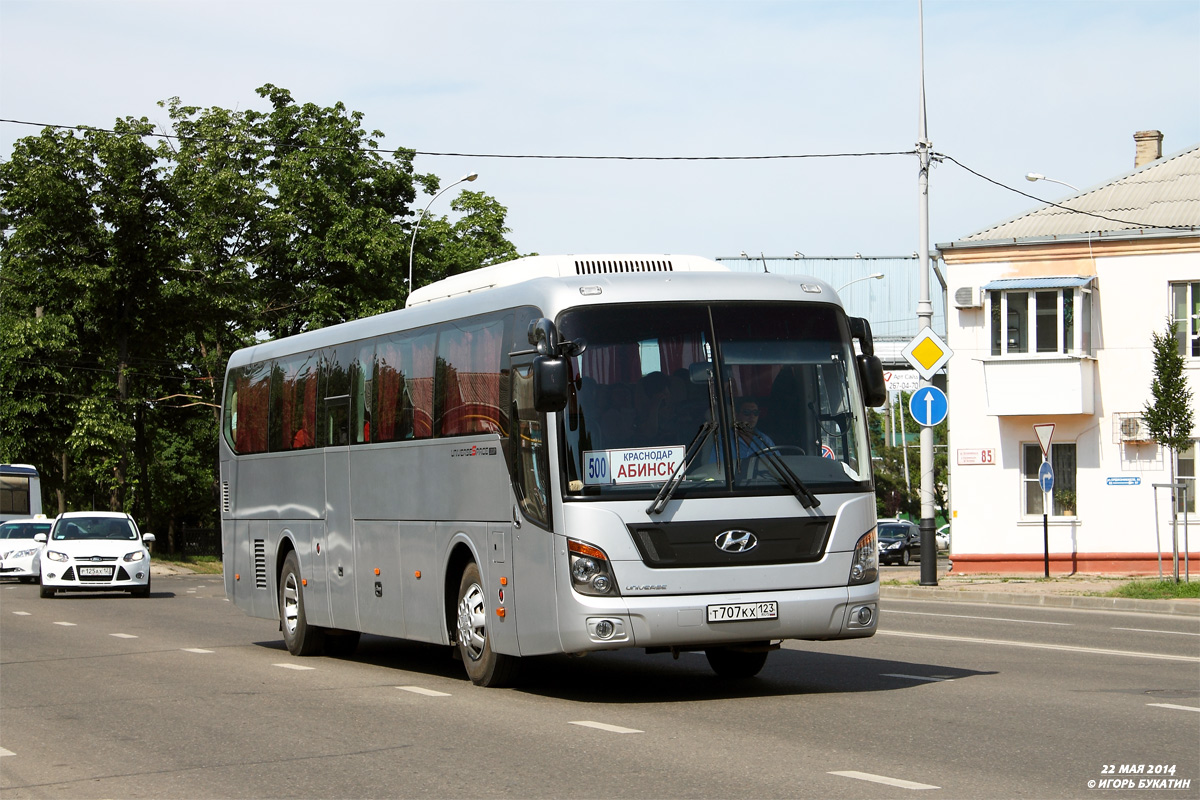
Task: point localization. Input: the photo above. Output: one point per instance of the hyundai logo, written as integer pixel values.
(736, 541)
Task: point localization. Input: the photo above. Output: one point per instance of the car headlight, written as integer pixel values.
(54, 555)
(864, 567)
(895, 545)
(590, 570)
(136, 555)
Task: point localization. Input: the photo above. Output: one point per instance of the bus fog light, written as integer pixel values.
(605, 629)
(861, 617)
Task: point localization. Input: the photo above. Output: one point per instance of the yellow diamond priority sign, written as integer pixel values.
(927, 353)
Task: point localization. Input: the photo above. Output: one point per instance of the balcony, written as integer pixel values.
(1039, 386)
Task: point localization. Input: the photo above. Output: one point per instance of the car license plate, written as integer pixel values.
(736, 612)
(96, 572)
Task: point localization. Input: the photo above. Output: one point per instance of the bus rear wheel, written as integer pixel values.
(484, 667)
(301, 638)
(737, 664)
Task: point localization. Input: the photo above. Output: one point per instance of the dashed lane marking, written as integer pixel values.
(1173, 706)
(602, 726)
(22, 614)
(891, 611)
(4, 752)
(196, 650)
(123, 635)
(297, 667)
(930, 679)
(897, 782)
(66, 624)
(1150, 630)
(1038, 646)
(424, 691)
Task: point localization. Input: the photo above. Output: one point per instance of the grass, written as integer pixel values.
(205, 565)
(1157, 590)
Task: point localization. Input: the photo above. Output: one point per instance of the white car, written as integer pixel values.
(18, 549)
(943, 537)
(95, 551)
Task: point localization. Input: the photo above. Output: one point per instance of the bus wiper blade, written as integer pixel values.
(689, 455)
(785, 474)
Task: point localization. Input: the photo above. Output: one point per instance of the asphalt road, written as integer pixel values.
(182, 695)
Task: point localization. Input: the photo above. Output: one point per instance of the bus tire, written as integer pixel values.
(484, 667)
(735, 664)
(301, 638)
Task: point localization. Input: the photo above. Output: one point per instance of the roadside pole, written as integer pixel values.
(1045, 432)
(925, 321)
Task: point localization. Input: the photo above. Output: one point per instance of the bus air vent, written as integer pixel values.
(225, 504)
(260, 564)
(614, 266)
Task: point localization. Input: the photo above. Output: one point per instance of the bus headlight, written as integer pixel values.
(591, 572)
(864, 568)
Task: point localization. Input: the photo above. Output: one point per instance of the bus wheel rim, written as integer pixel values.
(472, 622)
(291, 603)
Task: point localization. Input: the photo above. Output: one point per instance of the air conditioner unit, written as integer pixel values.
(1130, 428)
(968, 297)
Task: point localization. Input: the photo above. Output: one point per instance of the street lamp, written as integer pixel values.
(417, 227)
(1033, 177)
(878, 276)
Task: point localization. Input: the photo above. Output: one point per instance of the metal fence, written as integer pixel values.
(198, 542)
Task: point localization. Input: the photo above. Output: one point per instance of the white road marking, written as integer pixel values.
(195, 650)
(123, 635)
(914, 677)
(601, 726)
(297, 667)
(4, 752)
(897, 782)
(1172, 705)
(890, 611)
(1036, 646)
(1150, 630)
(66, 624)
(424, 691)
(22, 614)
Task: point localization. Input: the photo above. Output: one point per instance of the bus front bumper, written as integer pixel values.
(840, 612)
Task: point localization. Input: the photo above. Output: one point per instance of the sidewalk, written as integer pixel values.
(1058, 591)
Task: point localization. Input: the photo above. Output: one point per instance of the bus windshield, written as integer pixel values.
(736, 398)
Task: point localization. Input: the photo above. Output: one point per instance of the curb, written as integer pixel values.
(1180, 607)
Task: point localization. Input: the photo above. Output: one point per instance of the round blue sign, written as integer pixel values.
(1046, 476)
(928, 406)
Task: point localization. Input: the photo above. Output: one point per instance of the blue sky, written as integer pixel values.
(1012, 87)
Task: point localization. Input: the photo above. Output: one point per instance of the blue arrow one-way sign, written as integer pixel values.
(1046, 477)
(928, 406)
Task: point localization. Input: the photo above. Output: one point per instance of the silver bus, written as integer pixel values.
(561, 454)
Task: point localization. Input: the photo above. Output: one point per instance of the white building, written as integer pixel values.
(1050, 322)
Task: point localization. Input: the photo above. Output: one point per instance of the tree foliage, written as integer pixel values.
(134, 264)
(894, 495)
(1168, 414)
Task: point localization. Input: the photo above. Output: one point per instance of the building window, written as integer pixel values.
(1187, 476)
(1062, 461)
(1185, 313)
(1041, 321)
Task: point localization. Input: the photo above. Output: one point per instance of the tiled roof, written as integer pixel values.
(1162, 194)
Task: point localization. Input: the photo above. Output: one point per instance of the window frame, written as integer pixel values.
(1190, 319)
(1071, 319)
(1062, 483)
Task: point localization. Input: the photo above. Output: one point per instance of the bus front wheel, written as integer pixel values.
(484, 667)
(301, 638)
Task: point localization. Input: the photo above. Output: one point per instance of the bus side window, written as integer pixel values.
(337, 421)
(530, 465)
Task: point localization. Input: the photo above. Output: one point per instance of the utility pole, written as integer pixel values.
(925, 320)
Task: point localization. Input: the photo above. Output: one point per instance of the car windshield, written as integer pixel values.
(735, 398)
(23, 530)
(94, 528)
(894, 531)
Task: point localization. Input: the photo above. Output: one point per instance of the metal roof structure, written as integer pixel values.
(889, 303)
(1159, 199)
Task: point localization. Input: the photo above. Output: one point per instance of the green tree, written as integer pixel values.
(1168, 414)
(894, 495)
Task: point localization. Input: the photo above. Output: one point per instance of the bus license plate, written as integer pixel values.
(105, 572)
(736, 612)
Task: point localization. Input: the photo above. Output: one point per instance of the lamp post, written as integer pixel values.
(878, 276)
(417, 227)
(1033, 177)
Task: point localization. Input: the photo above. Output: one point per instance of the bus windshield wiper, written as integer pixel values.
(677, 474)
(775, 461)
